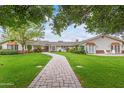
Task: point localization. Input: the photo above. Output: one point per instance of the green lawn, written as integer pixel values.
(97, 71)
(20, 70)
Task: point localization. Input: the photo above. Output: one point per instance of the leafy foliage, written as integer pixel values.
(24, 33)
(77, 50)
(29, 47)
(38, 49)
(7, 52)
(16, 16)
(0, 47)
(106, 19)
(98, 19)
(68, 15)
(24, 22)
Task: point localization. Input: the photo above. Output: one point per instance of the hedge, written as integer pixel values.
(77, 50)
(8, 52)
(29, 47)
(0, 47)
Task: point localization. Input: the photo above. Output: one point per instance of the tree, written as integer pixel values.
(24, 22)
(29, 47)
(15, 16)
(69, 15)
(24, 33)
(106, 19)
(98, 19)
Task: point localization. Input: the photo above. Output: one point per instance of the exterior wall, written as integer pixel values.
(19, 47)
(104, 44)
(4, 46)
(122, 49)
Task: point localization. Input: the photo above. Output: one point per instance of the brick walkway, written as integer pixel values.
(56, 74)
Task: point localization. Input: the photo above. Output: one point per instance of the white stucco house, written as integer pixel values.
(104, 44)
(13, 45)
(101, 44)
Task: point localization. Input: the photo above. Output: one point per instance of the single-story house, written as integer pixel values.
(52, 46)
(45, 46)
(13, 45)
(100, 44)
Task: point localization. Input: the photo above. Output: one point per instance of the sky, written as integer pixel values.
(71, 34)
(1, 34)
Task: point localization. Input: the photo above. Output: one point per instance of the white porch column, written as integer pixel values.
(114, 48)
(32, 47)
(52, 48)
(120, 48)
(117, 49)
(55, 48)
(94, 49)
(87, 48)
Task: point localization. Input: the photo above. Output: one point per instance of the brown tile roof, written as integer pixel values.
(115, 43)
(96, 37)
(12, 43)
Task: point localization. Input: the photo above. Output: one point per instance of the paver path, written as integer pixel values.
(56, 74)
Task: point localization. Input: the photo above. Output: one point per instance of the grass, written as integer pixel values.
(97, 71)
(20, 70)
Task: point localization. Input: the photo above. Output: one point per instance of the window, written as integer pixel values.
(115, 48)
(111, 47)
(16, 47)
(90, 48)
(12, 47)
(9, 46)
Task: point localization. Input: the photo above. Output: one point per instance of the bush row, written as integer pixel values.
(8, 52)
(78, 50)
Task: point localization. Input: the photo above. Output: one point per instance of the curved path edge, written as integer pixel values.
(56, 74)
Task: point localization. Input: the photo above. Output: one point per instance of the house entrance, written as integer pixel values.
(115, 48)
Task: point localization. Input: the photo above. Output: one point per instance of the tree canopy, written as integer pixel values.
(16, 15)
(105, 19)
(24, 33)
(98, 19)
(24, 22)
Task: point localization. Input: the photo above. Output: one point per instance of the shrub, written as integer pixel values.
(29, 47)
(8, 52)
(81, 50)
(0, 47)
(72, 50)
(78, 50)
(37, 50)
(60, 51)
